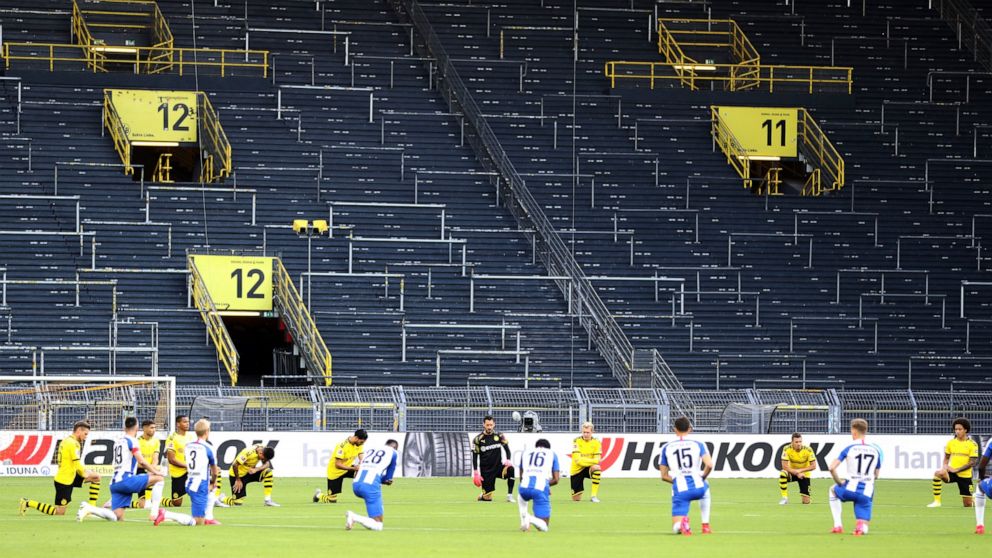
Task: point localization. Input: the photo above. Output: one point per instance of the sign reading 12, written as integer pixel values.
(237, 282)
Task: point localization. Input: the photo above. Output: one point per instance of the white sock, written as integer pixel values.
(102, 513)
(541, 524)
(211, 500)
(677, 527)
(704, 506)
(157, 490)
(367, 522)
(980, 508)
(835, 508)
(522, 506)
(180, 518)
(864, 527)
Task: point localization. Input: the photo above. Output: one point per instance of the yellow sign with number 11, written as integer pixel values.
(763, 131)
(237, 282)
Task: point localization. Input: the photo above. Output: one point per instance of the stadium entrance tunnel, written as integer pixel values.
(266, 350)
(166, 164)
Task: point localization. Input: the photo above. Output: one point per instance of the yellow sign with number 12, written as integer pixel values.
(237, 282)
(763, 131)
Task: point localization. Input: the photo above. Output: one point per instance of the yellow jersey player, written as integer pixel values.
(343, 464)
(175, 454)
(70, 474)
(252, 464)
(149, 446)
(797, 463)
(960, 458)
(586, 453)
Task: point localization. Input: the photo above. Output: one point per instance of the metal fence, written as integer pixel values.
(429, 409)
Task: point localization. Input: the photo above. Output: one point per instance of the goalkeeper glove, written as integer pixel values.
(476, 478)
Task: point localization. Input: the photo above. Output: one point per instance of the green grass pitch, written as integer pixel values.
(439, 517)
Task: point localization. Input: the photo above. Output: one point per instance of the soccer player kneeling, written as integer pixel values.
(126, 483)
(960, 458)
(680, 465)
(586, 453)
(253, 464)
(798, 461)
(538, 473)
(201, 464)
(70, 474)
(864, 461)
(376, 469)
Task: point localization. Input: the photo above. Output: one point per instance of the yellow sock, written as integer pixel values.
(328, 498)
(783, 483)
(46, 509)
(938, 486)
(267, 482)
(94, 492)
(595, 483)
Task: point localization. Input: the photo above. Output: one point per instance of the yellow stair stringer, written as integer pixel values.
(828, 165)
(215, 158)
(737, 156)
(118, 133)
(227, 353)
(294, 313)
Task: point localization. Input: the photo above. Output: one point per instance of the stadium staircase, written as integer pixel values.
(414, 217)
(761, 305)
(881, 285)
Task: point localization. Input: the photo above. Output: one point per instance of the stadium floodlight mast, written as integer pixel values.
(309, 229)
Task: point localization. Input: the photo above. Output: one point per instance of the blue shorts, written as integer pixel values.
(372, 494)
(862, 503)
(198, 500)
(121, 491)
(681, 500)
(985, 487)
(541, 499)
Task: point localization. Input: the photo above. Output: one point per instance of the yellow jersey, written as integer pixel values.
(246, 460)
(585, 453)
(345, 451)
(69, 460)
(961, 452)
(177, 443)
(149, 448)
(799, 459)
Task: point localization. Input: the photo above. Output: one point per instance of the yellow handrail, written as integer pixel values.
(145, 59)
(737, 156)
(113, 123)
(812, 143)
(215, 143)
(227, 353)
(825, 156)
(298, 319)
(828, 75)
(812, 187)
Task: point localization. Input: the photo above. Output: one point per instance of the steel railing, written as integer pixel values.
(586, 304)
(300, 323)
(227, 353)
(217, 163)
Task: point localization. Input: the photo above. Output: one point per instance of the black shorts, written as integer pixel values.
(965, 486)
(63, 492)
(803, 483)
(334, 485)
(489, 477)
(578, 481)
(179, 486)
(239, 494)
